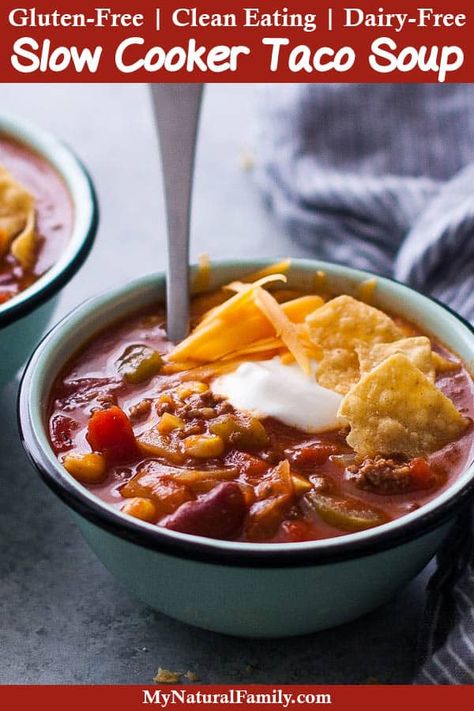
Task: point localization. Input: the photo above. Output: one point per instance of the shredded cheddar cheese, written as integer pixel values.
(229, 307)
(226, 328)
(250, 323)
(284, 328)
(276, 268)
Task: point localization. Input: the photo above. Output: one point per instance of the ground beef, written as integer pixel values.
(163, 407)
(205, 399)
(195, 427)
(223, 407)
(197, 406)
(141, 410)
(381, 476)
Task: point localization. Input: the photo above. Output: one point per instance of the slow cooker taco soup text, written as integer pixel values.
(283, 417)
(35, 217)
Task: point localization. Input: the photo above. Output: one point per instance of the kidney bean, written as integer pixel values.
(218, 514)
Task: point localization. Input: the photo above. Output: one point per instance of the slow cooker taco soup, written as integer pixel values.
(35, 217)
(284, 416)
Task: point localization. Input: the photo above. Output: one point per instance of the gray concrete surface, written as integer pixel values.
(63, 618)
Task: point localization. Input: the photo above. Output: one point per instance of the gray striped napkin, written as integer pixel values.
(381, 177)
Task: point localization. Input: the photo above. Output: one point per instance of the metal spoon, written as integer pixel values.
(176, 110)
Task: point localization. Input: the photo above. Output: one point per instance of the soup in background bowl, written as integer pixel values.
(48, 220)
(357, 523)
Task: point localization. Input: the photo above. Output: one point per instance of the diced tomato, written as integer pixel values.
(5, 296)
(110, 432)
(314, 454)
(421, 473)
(247, 464)
(294, 531)
(61, 430)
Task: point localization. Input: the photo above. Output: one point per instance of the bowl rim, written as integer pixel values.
(85, 207)
(259, 555)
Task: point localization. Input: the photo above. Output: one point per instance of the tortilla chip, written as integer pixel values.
(338, 370)
(418, 350)
(396, 409)
(346, 323)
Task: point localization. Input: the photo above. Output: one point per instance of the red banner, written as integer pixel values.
(224, 41)
(127, 698)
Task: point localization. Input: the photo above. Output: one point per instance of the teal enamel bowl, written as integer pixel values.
(24, 319)
(249, 590)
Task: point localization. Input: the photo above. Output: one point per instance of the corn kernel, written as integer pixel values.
(86, 468)
(140, 507)
(203, 446)
(190, 388)
(168, 423)
(165, 398)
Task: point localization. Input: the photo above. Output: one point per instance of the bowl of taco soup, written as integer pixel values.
(291, 464)
(48, 220)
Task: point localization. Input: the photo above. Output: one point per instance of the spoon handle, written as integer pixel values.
(176, 109)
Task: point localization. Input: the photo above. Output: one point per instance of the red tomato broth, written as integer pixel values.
(91, 378)
(54, 214)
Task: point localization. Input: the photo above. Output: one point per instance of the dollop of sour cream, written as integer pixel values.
(270, 388)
